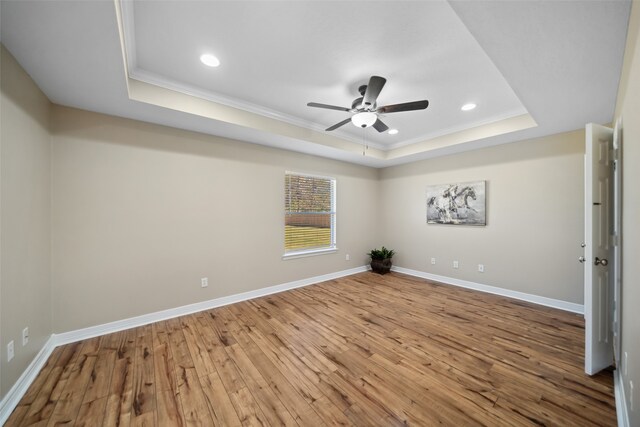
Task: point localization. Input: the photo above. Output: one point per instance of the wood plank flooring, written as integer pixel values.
(364, 350)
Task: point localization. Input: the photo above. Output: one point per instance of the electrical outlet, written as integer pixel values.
(347, 257)
(25, 336)
(10, 351)
(455, 264)
(626, 364)
(433, 261)
(204, 282)
(481, 268)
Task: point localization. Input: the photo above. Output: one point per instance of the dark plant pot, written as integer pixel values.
(381, 266)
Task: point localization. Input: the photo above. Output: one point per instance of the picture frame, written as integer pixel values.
(459, 203)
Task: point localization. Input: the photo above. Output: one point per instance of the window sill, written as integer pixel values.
(308, 253)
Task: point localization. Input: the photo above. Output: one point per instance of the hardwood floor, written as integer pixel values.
(361, 350)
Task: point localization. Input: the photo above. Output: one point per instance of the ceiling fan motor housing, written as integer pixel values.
(358, 105)
(363, 89)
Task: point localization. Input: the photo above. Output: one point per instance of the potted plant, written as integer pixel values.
(381, 260)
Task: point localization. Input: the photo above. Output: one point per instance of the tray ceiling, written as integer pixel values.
(527, 66)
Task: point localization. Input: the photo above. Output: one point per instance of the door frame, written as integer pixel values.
(616, 252)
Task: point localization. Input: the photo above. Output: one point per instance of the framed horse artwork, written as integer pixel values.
(461, 203)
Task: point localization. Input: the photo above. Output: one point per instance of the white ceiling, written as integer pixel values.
(533, 67)
(277, 56)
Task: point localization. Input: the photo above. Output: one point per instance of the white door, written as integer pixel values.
(598, 297)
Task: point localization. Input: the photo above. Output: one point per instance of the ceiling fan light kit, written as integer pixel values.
(364, 119)
(365, 110)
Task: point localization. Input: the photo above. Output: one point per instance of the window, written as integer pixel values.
(310, 214)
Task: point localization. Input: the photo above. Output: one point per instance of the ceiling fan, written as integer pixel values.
(365, 109)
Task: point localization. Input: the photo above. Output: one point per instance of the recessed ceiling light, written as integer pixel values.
(393, 131)
(209, 60)
(468, 107)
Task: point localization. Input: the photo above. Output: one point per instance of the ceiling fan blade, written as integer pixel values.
(376, 83)
(379, 126)
(407, 106)
(328, 107)
(337, 125)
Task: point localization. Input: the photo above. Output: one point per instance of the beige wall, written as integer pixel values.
(25, 158)
(141, 212)
(534, 225)
(628, 109)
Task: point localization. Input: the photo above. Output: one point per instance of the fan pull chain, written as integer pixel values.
(365, 146)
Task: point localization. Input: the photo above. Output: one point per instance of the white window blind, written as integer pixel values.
(310, 212)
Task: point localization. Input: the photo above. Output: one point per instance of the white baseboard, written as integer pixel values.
(621, 401)
(11, 399)
(549, 302)
(145, 319)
